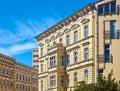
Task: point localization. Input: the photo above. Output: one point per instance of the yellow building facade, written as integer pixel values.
(15, 76)
(81, 47)
(7, 71)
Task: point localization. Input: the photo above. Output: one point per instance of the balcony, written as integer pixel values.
(102, 60)
(108, 36)
(101, 63)
(56, 47)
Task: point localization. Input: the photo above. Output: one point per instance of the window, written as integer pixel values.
(75, 57)
(85, 31)
(62, 81)
(68, 80)
(107, 8)
(60, 40)
(52, 82)
(67, 40)
(16, 75)
(52, 62)
(113, 33)
(86, 76)
(54, 42)
(100, 73)
(16, 86)
(67, 59)
(107, 53)
(41, 54)
(35, 60)
(41, 68)
(75, 36)
(41, 85)
(100, 10)
(35, 55)
(62, 60)
(20, 87)
(48, 46)
(75, 78)
(86, 54)
(20, 77)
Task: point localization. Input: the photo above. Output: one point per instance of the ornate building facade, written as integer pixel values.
(7, 71)
(15, 76)
(81, 47)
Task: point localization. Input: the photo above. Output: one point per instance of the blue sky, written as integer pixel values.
(22, 20)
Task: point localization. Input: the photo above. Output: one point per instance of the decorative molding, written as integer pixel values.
(59, 34)
(47, 40)
(41, 44)
(53, 38)
(86, 43)
(75, 26)
(85, 20)
(66, 30)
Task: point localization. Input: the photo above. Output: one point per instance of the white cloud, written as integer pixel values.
(18, 48)
(21, 38)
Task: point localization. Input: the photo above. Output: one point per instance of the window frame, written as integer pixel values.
(75, 36)
(86, 30)
(67, 40)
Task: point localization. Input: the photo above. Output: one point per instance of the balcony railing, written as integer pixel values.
(101, 63)
(108, 35)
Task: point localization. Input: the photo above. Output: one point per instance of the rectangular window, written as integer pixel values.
(107, 8)
(41, 85)
(62, 60)
(86, 76)
(62, 81)
(100, 73)
(67, 40)
(48, 46)
(113, 33)
(75, 36)
(100, 10)
(75, 78)
(68, 80)
(41, 52)
(75, 57)
(107, 53)
(85, 31)
(86, 55)
(113, 7)
(60, 40)
(52, 62)
(41, 68)
(52, 82)
(16, 75)
(67, 59)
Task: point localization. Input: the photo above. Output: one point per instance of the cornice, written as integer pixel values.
(65, 22)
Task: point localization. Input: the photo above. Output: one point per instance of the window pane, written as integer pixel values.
(107, 53)
(107, 8)
(75, 36)
(85, 31)
(113, 7)
(67, 40)
(100, 9)
(86, 76)
(67, 59)
(113, 33)
(86, 54)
